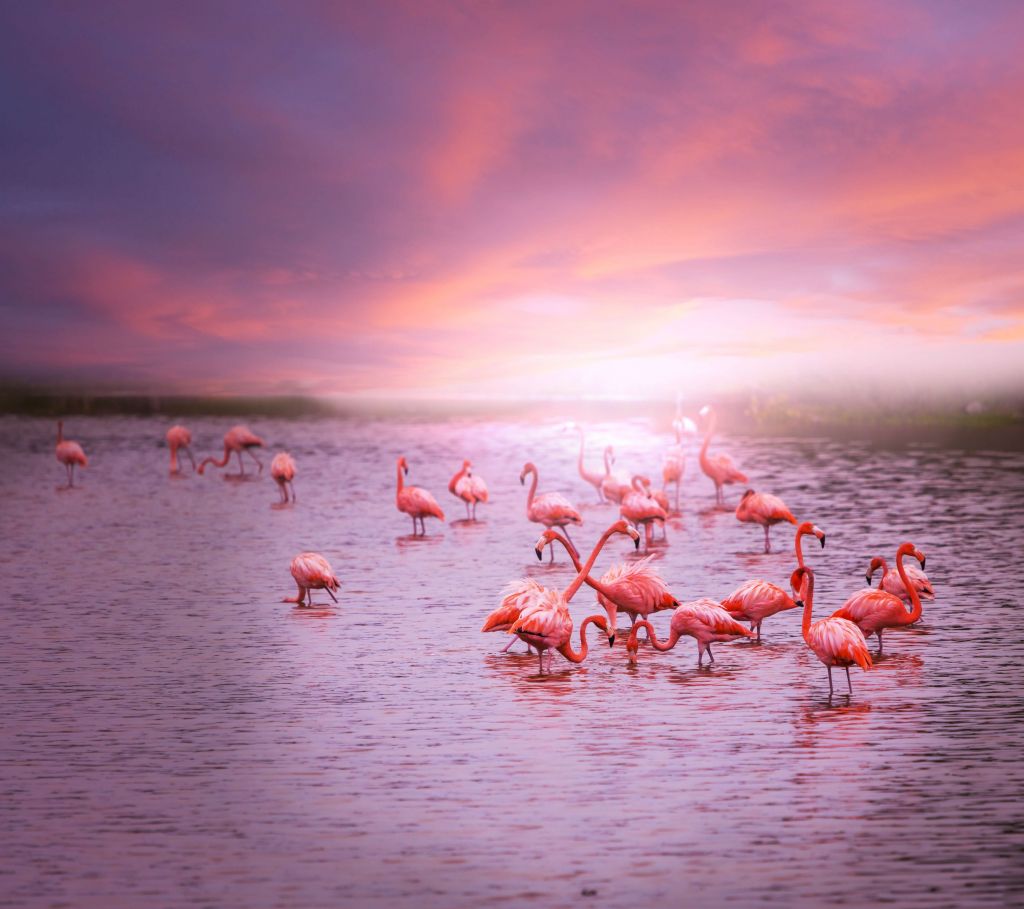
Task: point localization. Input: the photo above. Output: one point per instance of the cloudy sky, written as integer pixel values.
(465, 198)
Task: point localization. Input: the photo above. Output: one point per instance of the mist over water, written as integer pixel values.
(175, 735)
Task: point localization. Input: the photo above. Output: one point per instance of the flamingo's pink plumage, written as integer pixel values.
(764, 509)
(282, 469)
(641, 508)
(469, 487)
(312, 572)
(69, 454)
(754, 601)
(891, 581)
(179, 438)
(550, 509)
(237, 440)
(720, 468)
(703, 619)
(415, 501)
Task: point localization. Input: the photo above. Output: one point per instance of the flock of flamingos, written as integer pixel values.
(539, 615)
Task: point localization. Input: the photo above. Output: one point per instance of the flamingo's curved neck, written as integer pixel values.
(588, 580)
(808, 598)
(712, 421)
(533, 489)
(566, 649)
(800, 546)
(451, 484)
(607, 462)
(215, 462)
(398, 490)
(673, 636)
(570, 591)
(884, 566)
(638, 485)
(915, 612)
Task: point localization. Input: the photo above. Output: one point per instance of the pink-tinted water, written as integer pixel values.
(174, 735)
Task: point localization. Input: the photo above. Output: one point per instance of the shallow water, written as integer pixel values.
(175, 735)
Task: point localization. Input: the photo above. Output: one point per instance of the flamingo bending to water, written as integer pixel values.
(892, 582)
(755, 601)
(764, 509)
(721, 469)
(178, 437)
(469, 487)
(415, 501)
(238, 439)
(514, 598)
(282, 469)
(703, 619)
(312, 572)
(545, 621)
(835, 641)
(551, 509)
(69, 454)
(873, 610)
(641, 508)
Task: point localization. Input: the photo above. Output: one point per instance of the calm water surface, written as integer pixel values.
(175, 735)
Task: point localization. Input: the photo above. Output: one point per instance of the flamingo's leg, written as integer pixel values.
(711, 656)
(767, 542)
(291, 486)
(879, 633)
(467, 509)
(551, 554)
(829, 668)
(759, 631)
(540, 657)
(241, 466)
(259, 463)
(849, 684)
(188, 451)
(414, 525)
(510, 643)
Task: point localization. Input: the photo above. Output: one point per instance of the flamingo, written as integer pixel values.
(312, 572)
(594, 479)
(640, 508)
(179, 437)
(702, 619)
(69, 454)
(764, 509)
(672, 469)
(661, 498)
(468, 487)
(720, 467)
(282, 469)
(891, 581)
(414, 501)
(634, 587)
(835, 641)
(873, 610)
(236, 440)
(514, 598)
(545, 621)
(551, 509)
(613, 488)
(755, 601)
(803, 530)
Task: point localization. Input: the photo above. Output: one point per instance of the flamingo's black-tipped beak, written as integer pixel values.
(405, 471)
(675, 604)
(800, 604)
(522, 480)
(923, 560)
(867, 579)
(822, 541)
(611, 640)
(540, 558)
(636, 544)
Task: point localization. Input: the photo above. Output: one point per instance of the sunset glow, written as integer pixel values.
(525, 199)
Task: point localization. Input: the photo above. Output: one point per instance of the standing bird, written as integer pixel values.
(514, 598)
(764, 509)
(803, 530)
(640, 508)
(545, 622)
(873, 610)
(415, 501)
(835, 641)
(282, 469)
(613, 487)
(702, 619)
(755, 601)
(551, 509)
(892, 582)
(312, 572)
(469, 487)
(594, 479)
(238, 439)
(178, 437)
(635, 588)
(720, 467)
(69, 454)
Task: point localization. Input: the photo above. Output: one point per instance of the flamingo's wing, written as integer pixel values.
(554, 508)
(868, 603)
(841, 640)
(546, 623)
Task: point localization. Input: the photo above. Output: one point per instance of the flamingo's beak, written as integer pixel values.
(923, 560)
(867, 579)
(611, 640)
(675, 603)
(823, 541)
(800, 604)
(636, 544)
(522, 480)
(406, 470)
(540, 558)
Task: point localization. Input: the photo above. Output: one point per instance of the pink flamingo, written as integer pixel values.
(282, 469)
(545, 621)
(514, 598)
(594, 479)
(672, 469)
(69, 454)
(312, 572)
(720, 468)
(414, 501)
(640, 508)
(661, 498)
(873, 610)
(551, 509)
(636, 588)
(179, 437)
(702, 619)
(236, 440)
(891, 581)
(469, 487)
(613, 488)
(764, 509)
(835, 641)
(755, 601)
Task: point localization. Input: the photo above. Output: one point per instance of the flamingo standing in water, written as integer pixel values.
(635, 588)
(613, 488)
(469, 487)
(69, 454)
(515, 596)
(720, 467)
(640, 508)
(414, 501)
(702, 619)
(594, 479)
(892, 582)
(545, 621)
(551, 509)
(238, 439)
(835, 641)
(764, 509)
(178, 437)
(282, 469)
(873, 610)
(312, 572)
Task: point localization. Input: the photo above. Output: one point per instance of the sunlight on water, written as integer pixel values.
(175, 735)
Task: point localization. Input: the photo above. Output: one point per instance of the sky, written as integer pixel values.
(512, 198)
